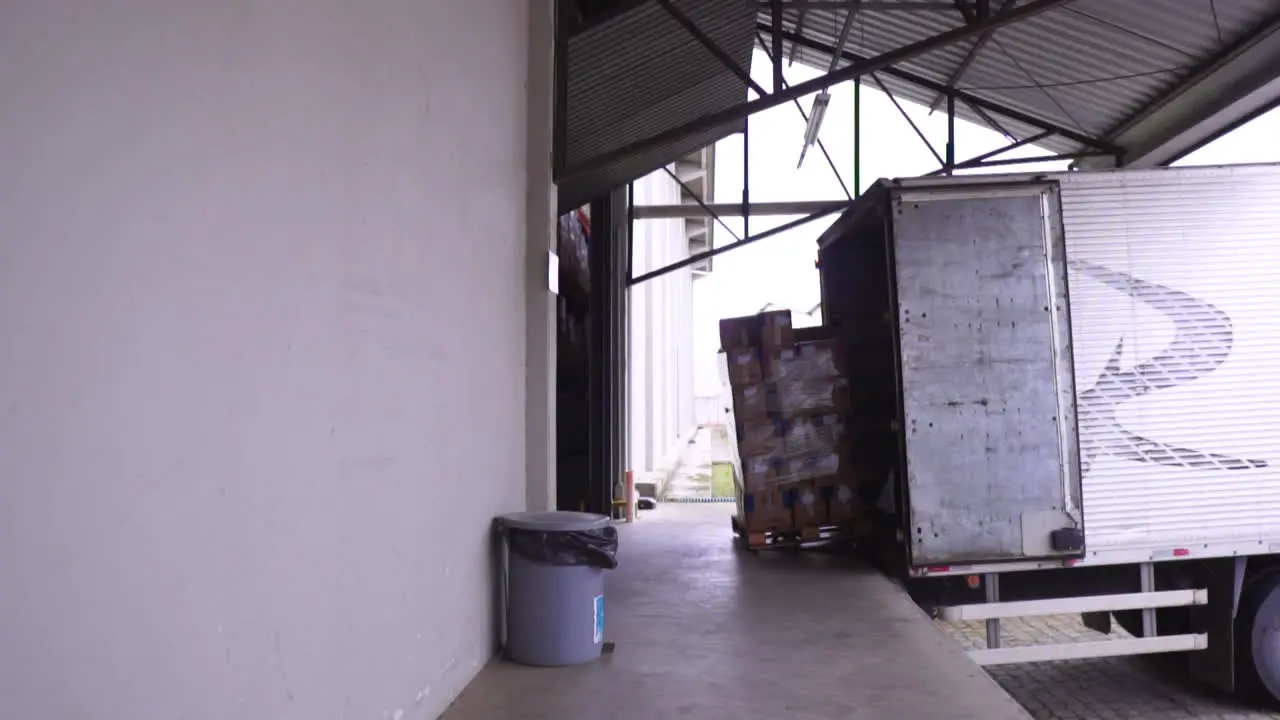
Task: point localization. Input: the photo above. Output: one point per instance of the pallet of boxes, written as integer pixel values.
(790, 403)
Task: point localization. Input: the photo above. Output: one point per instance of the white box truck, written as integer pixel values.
(1068, 401)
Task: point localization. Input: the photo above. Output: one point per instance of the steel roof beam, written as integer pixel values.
(817, 141)
(890, 6)
(1235, 86)
(695, 259)
(776, 56)
(969, 57)
(723, 210)
(856, 70)
(979, 159)
(901, 111)
(977, 103)
(799, 28)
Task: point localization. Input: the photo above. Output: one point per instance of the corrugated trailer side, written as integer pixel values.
(1174, 345)
(1175, 305)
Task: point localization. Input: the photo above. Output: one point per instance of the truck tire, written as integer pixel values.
(1258, 638)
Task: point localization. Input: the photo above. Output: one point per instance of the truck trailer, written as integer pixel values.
(1067, 399)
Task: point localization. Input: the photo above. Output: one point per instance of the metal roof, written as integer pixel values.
(1090, 66)
(640, 73)
(1143, 80)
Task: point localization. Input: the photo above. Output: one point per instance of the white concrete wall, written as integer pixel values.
(249, 448)
(661, 324)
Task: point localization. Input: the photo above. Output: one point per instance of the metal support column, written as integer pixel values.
(1147, 582)
(746, 177)
(607, 260)
(991, 581)
(951, 134)
(560, 103)
(857, 137)
(620, 201)
(775, 57)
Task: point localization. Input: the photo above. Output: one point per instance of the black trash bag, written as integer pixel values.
(589, 548)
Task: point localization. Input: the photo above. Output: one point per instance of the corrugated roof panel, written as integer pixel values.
(874, 33)
(1108, 74)
(1185, 25)
(1097, 62)
(641, 74)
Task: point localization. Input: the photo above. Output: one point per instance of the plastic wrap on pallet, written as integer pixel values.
(810, 467)
(760, 471)
(763, 437)
(807, 506)
(807, 435)
(802, 361)
(812, 394)
(820, 358)
(779, 469)
(784, 436)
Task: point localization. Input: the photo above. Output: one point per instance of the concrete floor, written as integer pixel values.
(705, 631)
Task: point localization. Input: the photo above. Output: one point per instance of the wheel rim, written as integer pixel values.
(1264, 636)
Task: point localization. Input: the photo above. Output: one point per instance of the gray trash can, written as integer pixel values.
(554, 585)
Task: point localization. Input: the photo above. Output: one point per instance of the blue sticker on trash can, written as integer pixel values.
(599, 633)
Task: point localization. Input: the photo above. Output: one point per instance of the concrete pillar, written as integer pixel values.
(540, 360)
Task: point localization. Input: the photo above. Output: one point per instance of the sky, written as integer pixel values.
(780, 269)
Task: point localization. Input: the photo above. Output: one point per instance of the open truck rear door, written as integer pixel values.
(988, 428)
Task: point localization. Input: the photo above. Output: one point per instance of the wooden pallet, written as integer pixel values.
(780, 538)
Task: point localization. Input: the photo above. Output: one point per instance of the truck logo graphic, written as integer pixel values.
(1201, 343)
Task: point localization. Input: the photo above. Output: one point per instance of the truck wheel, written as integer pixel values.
(1258, 638)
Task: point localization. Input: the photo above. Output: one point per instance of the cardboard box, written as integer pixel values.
(803, 361)
(775, 329)
(808, 506)
(764, 511)
(814, 434)
(759, 437)
(761, 471)
(774, 362)
(744, 367)
(812, 467)
(841, 498)
(820, 358)
(751, 402)
(813, 394)
(739, 332)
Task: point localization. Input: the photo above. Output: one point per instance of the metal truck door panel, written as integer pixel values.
(988, 418)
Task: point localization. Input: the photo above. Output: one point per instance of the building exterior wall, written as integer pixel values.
(660, 370)
(250, 449)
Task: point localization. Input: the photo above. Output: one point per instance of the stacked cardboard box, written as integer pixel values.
(790, 404)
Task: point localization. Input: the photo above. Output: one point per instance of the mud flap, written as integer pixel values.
(1215, 665)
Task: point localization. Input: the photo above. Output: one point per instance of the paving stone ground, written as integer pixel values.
(1130, 688)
